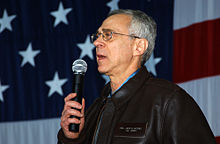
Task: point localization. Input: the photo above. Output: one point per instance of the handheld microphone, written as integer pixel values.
(79, 68)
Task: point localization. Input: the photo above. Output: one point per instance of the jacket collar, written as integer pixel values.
(129, 89)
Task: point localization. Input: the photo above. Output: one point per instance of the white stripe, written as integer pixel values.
(206, 93)
(187, 12)
(30, 132)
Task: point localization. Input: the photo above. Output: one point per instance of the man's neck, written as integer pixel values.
(118, 80)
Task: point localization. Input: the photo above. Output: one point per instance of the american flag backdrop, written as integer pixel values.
(196, 57)
(39, 40)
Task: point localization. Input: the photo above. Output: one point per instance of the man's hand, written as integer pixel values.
(67, 111)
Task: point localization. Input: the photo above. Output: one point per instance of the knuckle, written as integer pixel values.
(73, 120)
(63, 112)
(72, 111)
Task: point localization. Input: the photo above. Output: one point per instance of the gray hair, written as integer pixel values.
(142, 26)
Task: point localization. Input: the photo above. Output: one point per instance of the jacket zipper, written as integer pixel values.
(97, 123)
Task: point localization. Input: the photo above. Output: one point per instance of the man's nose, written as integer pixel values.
(99, 42)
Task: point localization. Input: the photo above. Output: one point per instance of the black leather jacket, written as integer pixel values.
(144, 111)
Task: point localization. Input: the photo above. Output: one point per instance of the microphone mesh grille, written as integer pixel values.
(79, 66)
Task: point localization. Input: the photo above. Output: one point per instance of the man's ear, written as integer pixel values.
(141, 46)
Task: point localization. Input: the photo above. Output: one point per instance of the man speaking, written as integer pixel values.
(134, 108)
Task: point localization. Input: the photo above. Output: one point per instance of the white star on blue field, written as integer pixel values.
(151, 64)
(5, 21)
(60, 15)
(2, 89)
(86, 48)
(28, 55)
(113, 5)
(55, 85)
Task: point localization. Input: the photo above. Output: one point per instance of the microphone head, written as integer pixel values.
(79, 66)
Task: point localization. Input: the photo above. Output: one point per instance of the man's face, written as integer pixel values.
(115, 55)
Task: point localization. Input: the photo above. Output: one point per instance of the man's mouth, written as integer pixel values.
(100, 57)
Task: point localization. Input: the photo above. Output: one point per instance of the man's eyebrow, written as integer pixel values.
(106, 30)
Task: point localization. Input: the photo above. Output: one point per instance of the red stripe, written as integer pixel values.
(218, 140)
(196, 51)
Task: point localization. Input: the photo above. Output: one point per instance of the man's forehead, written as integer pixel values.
(117, 22)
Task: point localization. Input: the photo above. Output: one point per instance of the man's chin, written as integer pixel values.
(101, 70)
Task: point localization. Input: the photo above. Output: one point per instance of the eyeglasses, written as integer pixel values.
(107, 35)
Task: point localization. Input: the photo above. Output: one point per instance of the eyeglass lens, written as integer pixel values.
(106, 35)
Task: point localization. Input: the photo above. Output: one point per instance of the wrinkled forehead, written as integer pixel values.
(116, 23)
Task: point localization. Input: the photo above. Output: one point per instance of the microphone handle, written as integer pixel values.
(78, 80)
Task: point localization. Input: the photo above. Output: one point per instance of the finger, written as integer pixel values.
(72, 104)
(83, 106)
(65, 121)
(73, 120)
(65, 125)
(70, 96)
(69, 113)
(63, 112)
(73, 112)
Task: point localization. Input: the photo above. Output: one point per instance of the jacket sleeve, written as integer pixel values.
(184, 122)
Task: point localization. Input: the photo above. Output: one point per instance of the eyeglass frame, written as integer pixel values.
(111, 32)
